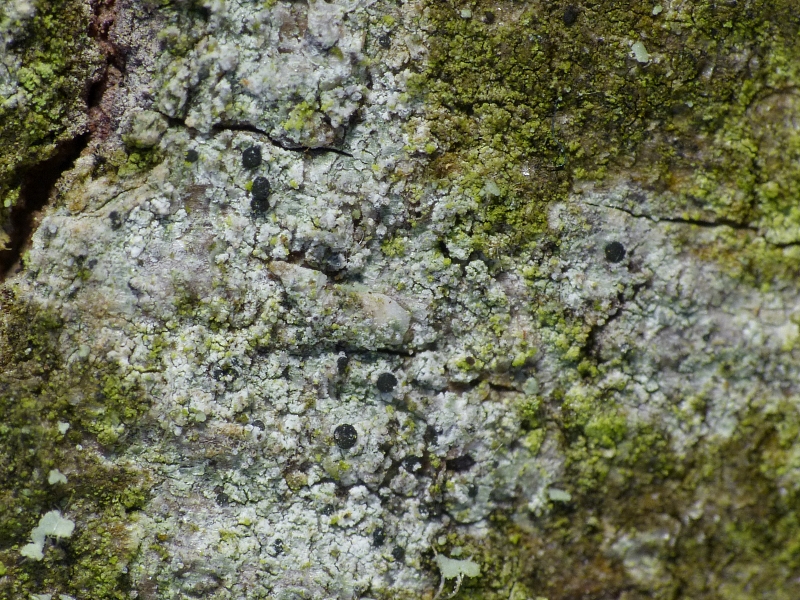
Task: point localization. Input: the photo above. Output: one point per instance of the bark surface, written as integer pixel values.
(384, 300)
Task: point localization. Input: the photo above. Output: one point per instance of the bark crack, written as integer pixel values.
(39, 180)
(304, 149)
(697, 222)
(729, 223)
(38, 183)
(247, 127)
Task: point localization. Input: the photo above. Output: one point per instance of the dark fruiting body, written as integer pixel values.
(260, 192)
(345, 436)
(570, 15)
(384, 41)
(398, 553)
(251, 157)
(412, 463)
(341, 364)
(614, 252)
(378, 537)
(116, 221)
(460, 463)
(386, 382)
(260, 424)
(192, 156)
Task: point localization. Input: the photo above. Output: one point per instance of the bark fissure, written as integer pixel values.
(38, 184)
(679, 220)
(39, 180)
(252, 129)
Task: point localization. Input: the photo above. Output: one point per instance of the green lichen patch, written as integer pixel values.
(745, 255)
(717, 523)
(522, 102)
(56, 60)
(63, 416)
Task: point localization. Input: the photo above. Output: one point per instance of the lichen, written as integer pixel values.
(536, 312)
(738, 539)
(525, 106)
(44, 103)
(39, 393)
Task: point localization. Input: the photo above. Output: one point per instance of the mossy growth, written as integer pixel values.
(140, 161)
(718, 522)
(65, 416)
(524, 100)
(57, 61)
(300, 117)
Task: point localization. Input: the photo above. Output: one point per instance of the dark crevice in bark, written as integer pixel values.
(38, 183)
(591, 348)
(720, 222)
(248, 128)
(111, 73)
(252, 129)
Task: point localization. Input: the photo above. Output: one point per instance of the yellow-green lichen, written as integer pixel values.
(58, 414)
(525, 107)
(717, 523)
(57, 58)
(522, 103)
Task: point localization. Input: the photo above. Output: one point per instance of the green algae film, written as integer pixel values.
(526, 103)
(53, 59)
(529, 101)
(63, 416)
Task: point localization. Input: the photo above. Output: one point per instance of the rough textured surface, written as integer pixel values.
(48, 65)
(365, 299)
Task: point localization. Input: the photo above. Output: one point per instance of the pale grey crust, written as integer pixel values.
(231, 325)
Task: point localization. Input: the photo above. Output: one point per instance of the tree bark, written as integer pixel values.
(369, 299)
